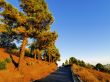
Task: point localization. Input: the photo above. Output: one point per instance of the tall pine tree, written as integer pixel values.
(33, 20)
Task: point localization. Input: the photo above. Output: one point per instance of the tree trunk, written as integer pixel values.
(49, 58)
(35, 56)
(39, 57)
(45, 59)
(22, 51)
(54, 60)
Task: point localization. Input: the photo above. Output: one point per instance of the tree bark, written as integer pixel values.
(45, 59)
(35, 56)
(39, 57)
(49, 58)
(22, 51)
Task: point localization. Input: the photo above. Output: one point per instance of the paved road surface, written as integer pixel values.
(63, 74)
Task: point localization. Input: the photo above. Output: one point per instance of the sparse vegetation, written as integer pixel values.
(8, 60)
(81, 63)
(73, 60)
(90, 75)
(88, 72)
(13, 51)
(2, 65)
(31, 69)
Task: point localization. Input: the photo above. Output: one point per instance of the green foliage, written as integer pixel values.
(81, 63)
(2, 65)
(102, 68)
(28, 53)
(33, 22)
(54, 54)
(14, 47)
(73, 60)
(99, 66)
(6, 40)
(66, 63)
(13, 51)
(89, 66)
(8, 60)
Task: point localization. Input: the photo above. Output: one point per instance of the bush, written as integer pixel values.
(2, 65)
(99, 67)
(8, 60)
(28, 53)
(13, 51)
(29, 63)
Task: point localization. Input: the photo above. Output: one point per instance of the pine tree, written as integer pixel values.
(45, 43)
(33, 21)
(37, 53)
(66, 63)
(72, 60)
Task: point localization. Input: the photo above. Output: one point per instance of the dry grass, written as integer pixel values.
(30, 69)
(90, 75)
(102, 77)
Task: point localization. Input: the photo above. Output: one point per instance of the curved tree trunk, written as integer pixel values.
(22, 51)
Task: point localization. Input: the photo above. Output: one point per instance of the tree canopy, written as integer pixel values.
(34, 21)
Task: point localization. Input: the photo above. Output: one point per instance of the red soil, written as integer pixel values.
(33, 71)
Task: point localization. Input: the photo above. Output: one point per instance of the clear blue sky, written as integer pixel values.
(83, 27)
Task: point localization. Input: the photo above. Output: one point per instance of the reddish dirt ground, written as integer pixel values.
(30, 69)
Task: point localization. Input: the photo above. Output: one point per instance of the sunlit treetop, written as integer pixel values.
(34, 18)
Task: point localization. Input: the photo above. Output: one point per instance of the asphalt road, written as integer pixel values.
(63, 74)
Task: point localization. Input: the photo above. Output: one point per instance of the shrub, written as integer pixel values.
(13, 51)
(29, 63)
(28, 53)
(8, 60)
(2, 65)
(99, 66)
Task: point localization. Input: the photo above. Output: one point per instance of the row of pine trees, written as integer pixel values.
(32, 21)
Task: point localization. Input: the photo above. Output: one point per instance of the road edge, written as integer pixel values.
(75, 77)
